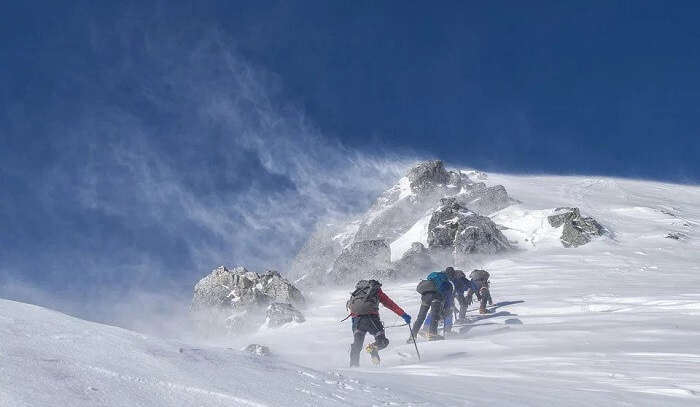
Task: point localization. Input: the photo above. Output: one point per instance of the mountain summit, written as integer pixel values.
(432, 215)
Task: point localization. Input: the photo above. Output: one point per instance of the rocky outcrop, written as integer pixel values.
(237, 299)
(416, 260)
(398, 208)
(456, 228)
(577, 230)
(365, 259)
(278, 289)
(257, 350)
(324, 256)
(485, 200)
(278, 314)
(676, 236)
(428, 175)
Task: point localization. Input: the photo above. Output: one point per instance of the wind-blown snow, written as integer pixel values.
(417, 233)
(613, 322)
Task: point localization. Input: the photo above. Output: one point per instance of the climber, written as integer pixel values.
(461, 284)
(479, 286)
(436, 297)
(364, 310)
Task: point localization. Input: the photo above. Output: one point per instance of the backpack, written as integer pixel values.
(365, 299)
(479, 275)
(438, 278)
(455, 275)
(425, 286)
(432, 283)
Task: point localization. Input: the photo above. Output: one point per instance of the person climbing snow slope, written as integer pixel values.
(480, 287)
(461, 284)
(436, 295)
(364, 310)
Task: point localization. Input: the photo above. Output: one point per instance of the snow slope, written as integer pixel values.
(50, 359)
(614, 322)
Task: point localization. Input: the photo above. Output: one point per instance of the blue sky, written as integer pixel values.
(143, 144)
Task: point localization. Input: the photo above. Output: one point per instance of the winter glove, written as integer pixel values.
(406, 318)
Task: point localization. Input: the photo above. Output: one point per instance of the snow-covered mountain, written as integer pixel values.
(614, 321)
(431, 217)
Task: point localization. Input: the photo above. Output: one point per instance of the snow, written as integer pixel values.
(529, 229)
(51, 359)
(613, 322)
(417, 233)
(405, 188)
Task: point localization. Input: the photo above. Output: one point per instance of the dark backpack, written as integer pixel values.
(365, 299)
(455, 275)
(432, 283)
(479, 275)
(426, 286)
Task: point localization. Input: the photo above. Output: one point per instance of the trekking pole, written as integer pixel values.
(414, 340)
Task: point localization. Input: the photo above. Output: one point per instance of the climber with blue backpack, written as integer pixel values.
(436, 297)
(460, 284)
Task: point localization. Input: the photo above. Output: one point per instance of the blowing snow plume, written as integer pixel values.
(180, 155)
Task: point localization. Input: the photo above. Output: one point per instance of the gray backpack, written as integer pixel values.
(479, 275)
(365, 299)
(426, 286)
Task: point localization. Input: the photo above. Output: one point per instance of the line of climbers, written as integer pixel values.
(438, 292)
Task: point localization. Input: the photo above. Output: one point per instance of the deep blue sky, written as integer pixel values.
(132, 132)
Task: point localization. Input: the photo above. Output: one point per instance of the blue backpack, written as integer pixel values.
(438, 278)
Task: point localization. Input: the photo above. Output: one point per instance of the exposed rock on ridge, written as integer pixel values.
(324, 257)
(577, 230)
(456, 228)
(237, 299)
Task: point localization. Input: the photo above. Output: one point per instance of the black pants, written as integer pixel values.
(429, 301)
(360, 326)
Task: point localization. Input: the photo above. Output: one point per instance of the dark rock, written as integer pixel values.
(236, 300)
(462, 231)
(676, 236)
(278, 314)
(278, 289)
(257, 350)
(577, 230)
(214, 290)
(427, 175)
